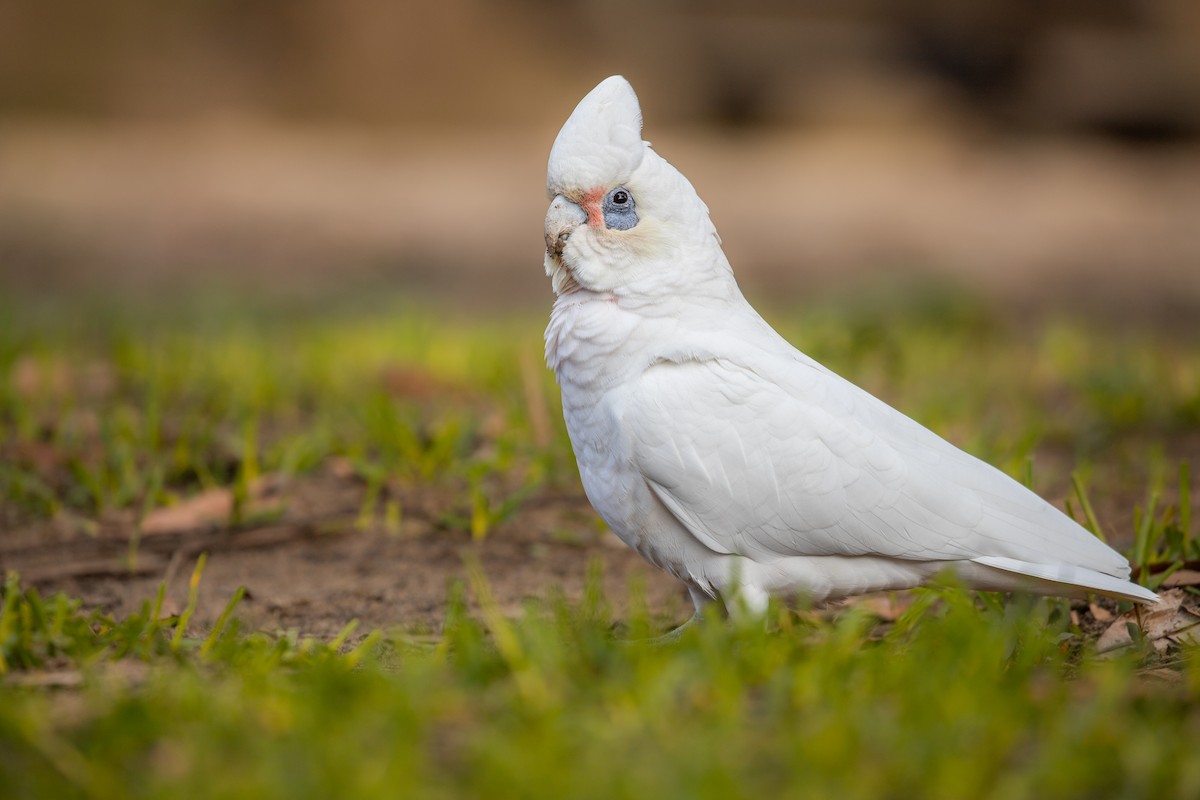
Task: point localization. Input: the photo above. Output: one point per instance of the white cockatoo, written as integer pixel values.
(727, 457)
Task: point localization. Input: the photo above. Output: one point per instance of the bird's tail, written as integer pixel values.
(1068, 576)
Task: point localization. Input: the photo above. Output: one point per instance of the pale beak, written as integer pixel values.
(562, 218)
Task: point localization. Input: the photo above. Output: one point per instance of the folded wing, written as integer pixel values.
(781, 457)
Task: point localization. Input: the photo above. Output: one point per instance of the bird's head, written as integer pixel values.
(619, 212)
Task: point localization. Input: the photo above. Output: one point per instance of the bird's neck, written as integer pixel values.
(584, 327)
(603, 339)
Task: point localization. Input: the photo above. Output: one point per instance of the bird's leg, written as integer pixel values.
(705, 606)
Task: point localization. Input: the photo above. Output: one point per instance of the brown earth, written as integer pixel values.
(316, 566)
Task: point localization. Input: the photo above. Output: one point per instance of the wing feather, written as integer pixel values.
(773, 460)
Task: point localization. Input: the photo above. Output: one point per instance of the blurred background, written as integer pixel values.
(1042, 154)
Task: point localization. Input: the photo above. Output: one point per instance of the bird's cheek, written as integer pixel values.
(591, 202)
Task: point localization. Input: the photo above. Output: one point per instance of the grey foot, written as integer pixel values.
(705, 606)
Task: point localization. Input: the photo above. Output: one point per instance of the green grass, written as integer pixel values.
(107, 415)
(104, 411)
(956, 699)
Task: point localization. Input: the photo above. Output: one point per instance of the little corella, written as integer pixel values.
(727, 457)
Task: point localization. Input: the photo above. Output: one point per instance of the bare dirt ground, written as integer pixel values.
(168, 210)
(315, 567)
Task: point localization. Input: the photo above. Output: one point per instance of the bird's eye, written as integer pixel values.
(620, 211)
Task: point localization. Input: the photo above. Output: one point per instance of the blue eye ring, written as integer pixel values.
(620, 210)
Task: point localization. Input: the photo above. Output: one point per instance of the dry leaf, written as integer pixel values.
(1172, 621)
(1100, 613)
(888, 607)
(213, 507)
(1183, 577)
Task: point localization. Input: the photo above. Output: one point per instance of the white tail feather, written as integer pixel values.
(1070, 575)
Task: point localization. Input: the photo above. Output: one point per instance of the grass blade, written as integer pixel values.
(1089, 515)
(193, 597)
(219, 625)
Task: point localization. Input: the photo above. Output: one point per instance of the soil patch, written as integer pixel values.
(317, 567)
